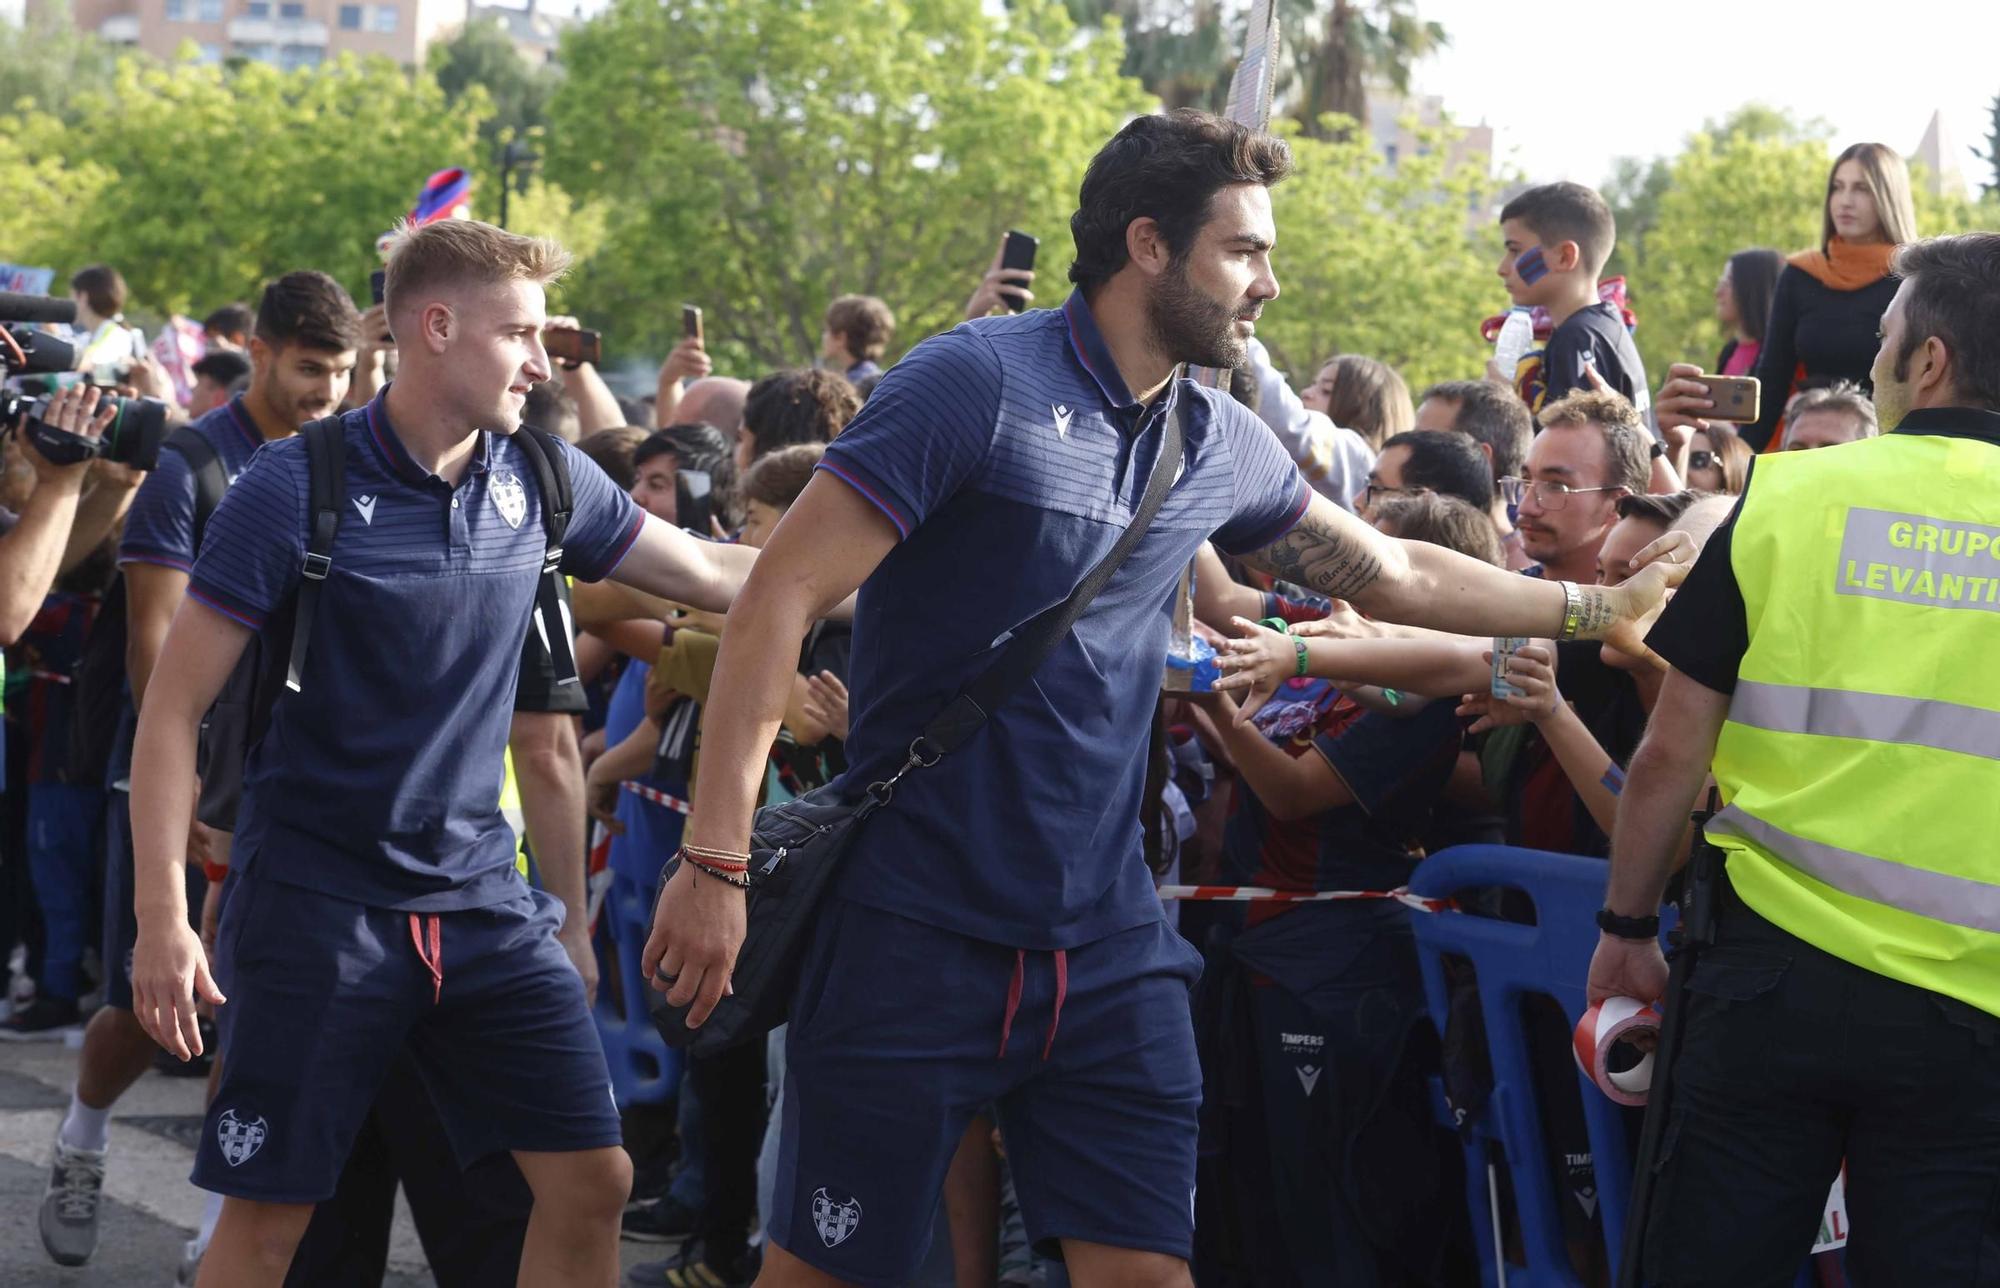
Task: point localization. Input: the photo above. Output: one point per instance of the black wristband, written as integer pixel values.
(1627, 927)
(1657, 450)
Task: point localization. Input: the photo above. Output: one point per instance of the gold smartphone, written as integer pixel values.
(1735, 398)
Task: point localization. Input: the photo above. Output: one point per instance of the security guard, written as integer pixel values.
(1836, 656)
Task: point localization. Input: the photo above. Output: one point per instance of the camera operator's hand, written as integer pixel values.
(999, 284)
(81, 410)
(107, 473)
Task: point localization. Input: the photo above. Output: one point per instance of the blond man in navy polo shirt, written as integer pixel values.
(994, 935)
(377, 905)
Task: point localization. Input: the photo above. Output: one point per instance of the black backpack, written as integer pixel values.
(242, 712)
(100, 668)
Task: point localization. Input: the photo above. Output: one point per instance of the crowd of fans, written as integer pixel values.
(1317, 1044)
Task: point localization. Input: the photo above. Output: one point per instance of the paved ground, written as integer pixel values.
(151, 1209)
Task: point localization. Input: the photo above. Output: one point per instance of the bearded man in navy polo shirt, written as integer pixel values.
(994, 935)
(376, 905)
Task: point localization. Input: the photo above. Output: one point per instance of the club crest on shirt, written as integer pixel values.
(835, 1219)
(509, 497)
(238, 1139)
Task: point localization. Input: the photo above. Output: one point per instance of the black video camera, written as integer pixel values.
(137, 428)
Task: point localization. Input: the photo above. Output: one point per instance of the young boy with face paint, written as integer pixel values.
(1558, 237)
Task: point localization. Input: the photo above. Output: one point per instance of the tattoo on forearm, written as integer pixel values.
(1318, 558)
(1597, 613)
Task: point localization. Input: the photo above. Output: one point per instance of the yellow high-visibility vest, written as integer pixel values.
(1860, 762)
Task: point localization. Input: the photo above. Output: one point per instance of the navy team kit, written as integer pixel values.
(375, 903)
(995, 939)
(994, 936)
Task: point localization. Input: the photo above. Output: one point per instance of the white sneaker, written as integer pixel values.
(72, 1203)
(191, 1254)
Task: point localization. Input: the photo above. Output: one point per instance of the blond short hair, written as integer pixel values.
(465, 252)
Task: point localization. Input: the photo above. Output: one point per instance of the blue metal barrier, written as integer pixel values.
(1514, 961)
(644, 1069)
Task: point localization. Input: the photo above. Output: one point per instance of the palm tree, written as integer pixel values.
(1185, 53)
(1336, 53)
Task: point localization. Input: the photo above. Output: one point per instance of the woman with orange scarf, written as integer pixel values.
(1829, 301)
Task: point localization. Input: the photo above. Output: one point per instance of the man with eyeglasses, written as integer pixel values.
(1448, 464)
(1593, 449)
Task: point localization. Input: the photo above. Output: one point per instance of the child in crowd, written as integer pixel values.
(1558, 237)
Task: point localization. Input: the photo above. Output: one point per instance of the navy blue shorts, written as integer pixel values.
(896, 1040)
(324, 993)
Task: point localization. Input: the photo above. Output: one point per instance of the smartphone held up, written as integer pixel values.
(1017, 255)
(573, 345)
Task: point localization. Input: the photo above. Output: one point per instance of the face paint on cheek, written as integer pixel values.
(1530, 266)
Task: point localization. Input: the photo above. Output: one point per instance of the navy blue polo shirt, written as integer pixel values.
(380, 781)
(1010, 455)
(160, 526)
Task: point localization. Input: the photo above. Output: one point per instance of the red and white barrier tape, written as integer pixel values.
(645, 793)
(1261, 894)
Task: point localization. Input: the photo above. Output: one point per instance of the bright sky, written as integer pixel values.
(1648, 74)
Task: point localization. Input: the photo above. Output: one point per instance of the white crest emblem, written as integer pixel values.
(509, 497)
(239, 1140)
(1308, 1076)
(366, 506)
(1062, 415)
(834, 1220)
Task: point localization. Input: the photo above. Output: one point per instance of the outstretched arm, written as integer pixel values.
(1419, 584)
(668, 563)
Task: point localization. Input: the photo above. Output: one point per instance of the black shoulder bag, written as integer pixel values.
(796, 848)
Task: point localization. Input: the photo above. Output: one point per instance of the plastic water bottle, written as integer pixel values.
(1517, 337)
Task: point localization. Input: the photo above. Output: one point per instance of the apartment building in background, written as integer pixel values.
(304, 33)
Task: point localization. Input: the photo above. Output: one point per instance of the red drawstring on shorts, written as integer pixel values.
(1014, 999)
(1062, 991)
(434, 959)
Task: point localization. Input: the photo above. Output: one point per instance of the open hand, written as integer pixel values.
(1341, 623)
(1638, 602)
(826, 703)
(169, 970)
(1255, 664)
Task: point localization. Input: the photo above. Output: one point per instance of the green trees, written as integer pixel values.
(481, 55)
(1398, 265)
(199, 183)
(758, 157)
(1754, 178)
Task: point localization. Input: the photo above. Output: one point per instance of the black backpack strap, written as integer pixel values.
(551, 467)
(1033, 642)
(326, 467)
(211, 478)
